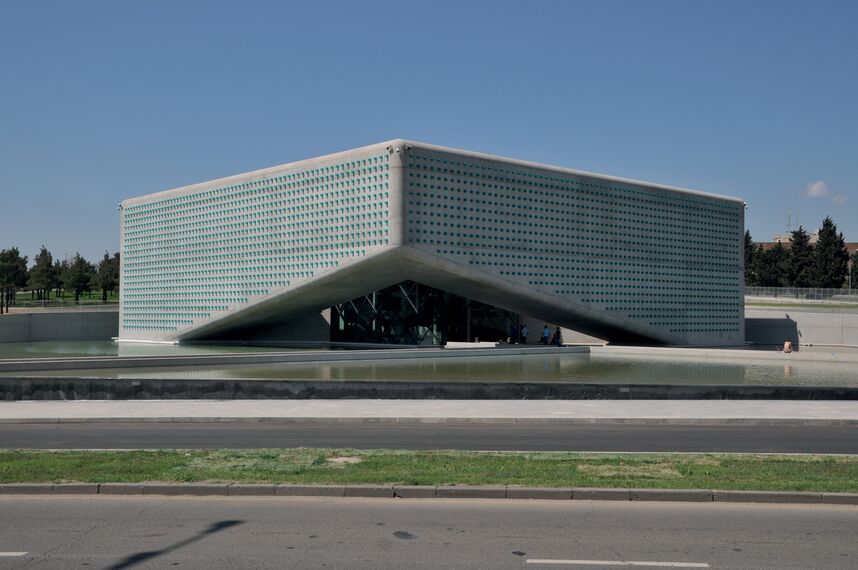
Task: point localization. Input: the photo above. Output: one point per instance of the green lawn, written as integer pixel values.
(788, 305)
(345, 466)
(23, 299)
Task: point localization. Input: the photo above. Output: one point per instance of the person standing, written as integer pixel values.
(557, 339)
(524, 333)
(546, 334)
(513, 333)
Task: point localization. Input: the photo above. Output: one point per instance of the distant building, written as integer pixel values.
(783, 239)
(408, 242)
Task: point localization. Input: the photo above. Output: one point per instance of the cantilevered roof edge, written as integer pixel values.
(564, 170)
(253, 174)
(261, 173)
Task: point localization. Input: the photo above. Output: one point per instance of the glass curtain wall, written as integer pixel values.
(411, 313)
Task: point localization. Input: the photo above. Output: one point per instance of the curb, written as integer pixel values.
(74, 388)
(430, 492)
(711, 422)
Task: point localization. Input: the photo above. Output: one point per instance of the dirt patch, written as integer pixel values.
(650, 470)
(345, 460)
(706, 461)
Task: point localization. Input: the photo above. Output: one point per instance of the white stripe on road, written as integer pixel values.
(619, 563)
(13, 553)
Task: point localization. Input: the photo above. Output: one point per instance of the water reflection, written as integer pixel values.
(579, 368)
(60, 349)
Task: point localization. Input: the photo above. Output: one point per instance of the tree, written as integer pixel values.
(77, 276)
(43, 274)
(107, 277)
(752, 261)
(853, 271)
(801, 261)
(13, 275)
(773, 267)
(60, 269)
(831, 259)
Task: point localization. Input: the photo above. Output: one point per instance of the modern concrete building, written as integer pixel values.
(245, 256)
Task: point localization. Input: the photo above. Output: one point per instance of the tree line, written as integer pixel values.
(48, 275)
(824, 264)
(802, 264)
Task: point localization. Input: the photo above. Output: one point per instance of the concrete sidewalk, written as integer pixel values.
(644, 412)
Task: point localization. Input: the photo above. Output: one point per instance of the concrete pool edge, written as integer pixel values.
(27, 388)
(687, 422)
(725, 355)
(101, 362)
(722, 355)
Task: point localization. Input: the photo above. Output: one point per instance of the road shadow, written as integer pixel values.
(139, 557)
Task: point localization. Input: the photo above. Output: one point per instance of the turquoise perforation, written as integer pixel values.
(188, 257)
(670, 259)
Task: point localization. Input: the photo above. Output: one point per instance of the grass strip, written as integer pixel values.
(798, 304)
(348, 466)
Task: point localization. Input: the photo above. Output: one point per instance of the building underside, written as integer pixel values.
(408, 313)
(391, 307)
(411, 313)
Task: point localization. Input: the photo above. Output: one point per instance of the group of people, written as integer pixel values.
(520, 334)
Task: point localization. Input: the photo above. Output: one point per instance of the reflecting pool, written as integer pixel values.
(572, 367)
(66, 348)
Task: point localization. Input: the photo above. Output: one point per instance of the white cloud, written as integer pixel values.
(839, 199)
(817, 189)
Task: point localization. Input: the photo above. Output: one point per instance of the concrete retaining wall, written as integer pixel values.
(77, 325)
(32, 388)
(817, 326)
(762, 326)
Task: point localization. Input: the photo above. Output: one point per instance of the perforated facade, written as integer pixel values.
(630, 260)
(195, 253)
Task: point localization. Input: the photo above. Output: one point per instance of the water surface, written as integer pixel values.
(67, 348)
(572, 367)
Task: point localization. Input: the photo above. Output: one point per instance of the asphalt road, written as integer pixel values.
(533, 437)
(206, 533)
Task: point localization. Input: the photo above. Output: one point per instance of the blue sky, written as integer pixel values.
(101, 101)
